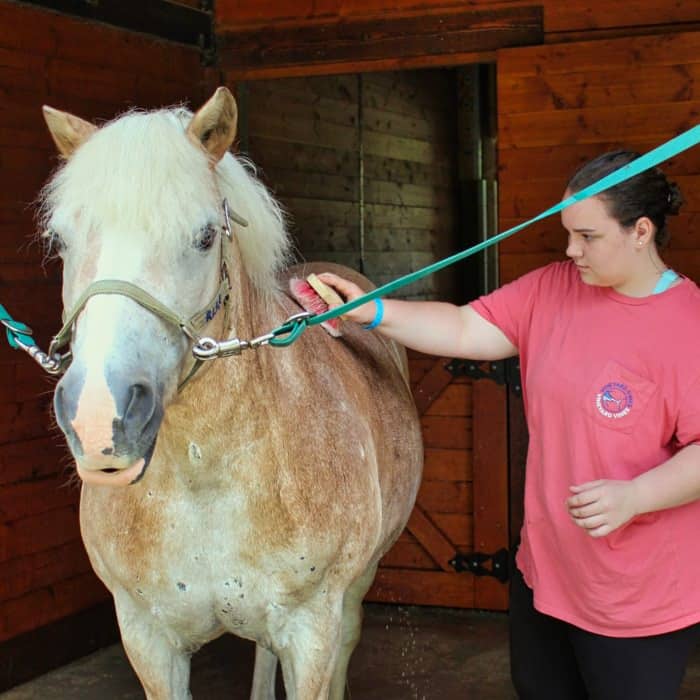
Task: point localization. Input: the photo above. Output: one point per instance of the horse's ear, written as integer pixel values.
(214, 125)
(67, 130)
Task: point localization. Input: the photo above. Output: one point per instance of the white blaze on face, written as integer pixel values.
(96, 408)
(99, 346)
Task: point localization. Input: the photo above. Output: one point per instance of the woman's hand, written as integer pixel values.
(350, 291)
(600, 507)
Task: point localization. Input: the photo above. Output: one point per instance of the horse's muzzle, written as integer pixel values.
(111, 429)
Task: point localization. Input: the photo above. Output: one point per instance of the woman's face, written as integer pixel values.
(603, 251)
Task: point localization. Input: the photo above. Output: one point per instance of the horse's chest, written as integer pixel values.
(193, 565)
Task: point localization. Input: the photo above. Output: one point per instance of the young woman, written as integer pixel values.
(605, 602)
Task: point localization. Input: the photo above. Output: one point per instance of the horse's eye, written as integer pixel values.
(206, 237)
(53, 242)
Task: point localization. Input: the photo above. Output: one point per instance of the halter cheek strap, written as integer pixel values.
(190, 327)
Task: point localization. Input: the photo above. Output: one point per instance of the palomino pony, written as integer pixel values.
(256, 495)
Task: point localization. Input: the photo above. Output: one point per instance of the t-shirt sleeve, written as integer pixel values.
(510, 307)
(688, 426)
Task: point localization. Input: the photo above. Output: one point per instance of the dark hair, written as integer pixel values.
(648, 194)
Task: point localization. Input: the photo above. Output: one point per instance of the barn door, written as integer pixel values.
(453, 551)
(367, 166)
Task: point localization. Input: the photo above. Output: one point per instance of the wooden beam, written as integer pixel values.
(400, 39)
(168, 20)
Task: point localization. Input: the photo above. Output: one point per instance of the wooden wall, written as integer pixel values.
(95, 72)
(559, 106)
(366, 167)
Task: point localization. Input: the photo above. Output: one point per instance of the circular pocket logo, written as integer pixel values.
(614, 400)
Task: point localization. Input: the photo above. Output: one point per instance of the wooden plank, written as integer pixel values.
(550, 236)
(38, 532)
(514, 266)
(273, 155)
(407, 239)
(319, 186)
(601, 124)
(407, 555)
(450, 432)
(42, 569)
(458, 528)
(445, 497)
(30, 498)
(341, 112)
(455, 400)
(46, 605)
(584, 15)
(315, 133)
(602, 88)
(440, 549)
(51, 34)
(310, 89)
(532, 197)
(431, 385)
(411, 126)
(436, 173)
(447, 465)
(562, 160)
(490, 485)
(378, 38)
(408, 97)
(170, 21)
(621, 55)
(24, 420)
(31, 459)
(422, 588)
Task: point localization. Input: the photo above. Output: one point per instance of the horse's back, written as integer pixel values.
(303, 270)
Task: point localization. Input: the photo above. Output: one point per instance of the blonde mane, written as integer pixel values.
(141, 170)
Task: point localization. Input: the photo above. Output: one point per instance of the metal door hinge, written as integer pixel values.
(475, 562)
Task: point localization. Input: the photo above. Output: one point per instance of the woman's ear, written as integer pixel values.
(643, 232)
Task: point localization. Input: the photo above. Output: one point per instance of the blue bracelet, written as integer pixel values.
(377, 317)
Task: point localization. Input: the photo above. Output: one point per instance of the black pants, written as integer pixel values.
(553, 660)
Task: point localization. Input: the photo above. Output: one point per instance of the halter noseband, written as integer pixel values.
(191, 326)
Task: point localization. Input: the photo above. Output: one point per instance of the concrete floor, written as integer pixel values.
(406, 653)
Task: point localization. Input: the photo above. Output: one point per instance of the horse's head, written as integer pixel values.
(136, 214)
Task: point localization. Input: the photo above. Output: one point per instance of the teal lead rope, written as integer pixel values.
(289, 332)
(19, 336)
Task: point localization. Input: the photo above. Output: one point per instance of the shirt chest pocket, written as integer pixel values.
(618, 398)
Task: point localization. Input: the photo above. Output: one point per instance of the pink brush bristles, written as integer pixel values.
(309, 299)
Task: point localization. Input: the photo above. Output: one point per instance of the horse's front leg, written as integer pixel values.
(264, 675)
(311, 643)
(162, 668)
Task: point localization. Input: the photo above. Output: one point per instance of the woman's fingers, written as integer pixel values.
(346, 288)
(349, 291)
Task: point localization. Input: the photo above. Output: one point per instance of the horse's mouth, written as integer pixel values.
(111, 476)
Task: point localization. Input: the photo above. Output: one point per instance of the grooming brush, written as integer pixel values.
(317, 297)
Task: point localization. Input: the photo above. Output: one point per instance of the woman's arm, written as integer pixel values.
(602, 506)
(432, 327)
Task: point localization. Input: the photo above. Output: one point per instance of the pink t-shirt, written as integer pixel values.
(612, 389)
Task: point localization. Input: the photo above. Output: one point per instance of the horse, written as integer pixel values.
(253, 494)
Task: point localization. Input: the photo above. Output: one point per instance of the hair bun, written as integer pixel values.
(675, 199)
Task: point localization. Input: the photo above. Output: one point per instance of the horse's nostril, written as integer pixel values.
(140, 406)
